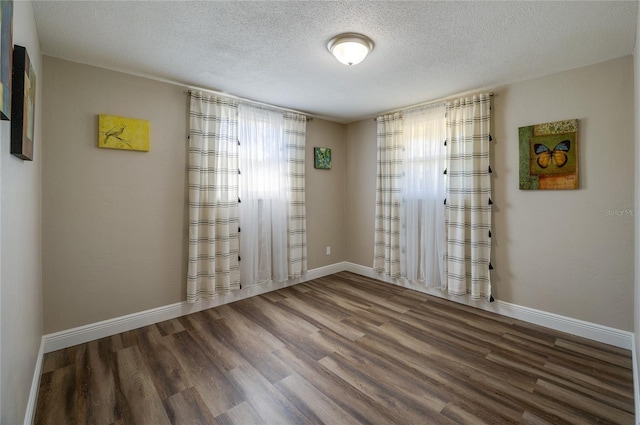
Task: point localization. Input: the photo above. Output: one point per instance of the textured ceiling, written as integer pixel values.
(275, 52)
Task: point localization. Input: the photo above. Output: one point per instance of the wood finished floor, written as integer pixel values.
(343, 349)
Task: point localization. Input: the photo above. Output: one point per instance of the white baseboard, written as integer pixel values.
(82, 334)
(636, 381)
(70, 337)
(30, 414)
(593, 331)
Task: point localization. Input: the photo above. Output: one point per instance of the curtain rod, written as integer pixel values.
(430, 102)
(251, 101)
(190, 88)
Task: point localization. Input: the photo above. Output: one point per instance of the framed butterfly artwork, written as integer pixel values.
(549, 156)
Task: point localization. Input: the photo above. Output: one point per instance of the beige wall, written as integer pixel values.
(20, 247)
(569, 252)
(361, 190)
(556, 251)
(325, 194)
(636, 69)
(115, 221)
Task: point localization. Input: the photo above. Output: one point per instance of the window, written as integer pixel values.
(261, 152)
(422, 209)
(263, 195)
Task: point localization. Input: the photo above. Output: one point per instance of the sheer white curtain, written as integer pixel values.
(263, 196)
(422, 244)
(213, 197)
(468, 211)
(386, 254)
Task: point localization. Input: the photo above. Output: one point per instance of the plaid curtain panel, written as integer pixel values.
(386, 254)
(468, 197)
(213, 197)
(295, 133)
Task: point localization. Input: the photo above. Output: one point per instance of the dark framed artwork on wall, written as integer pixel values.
(6, 57)
(549, 156)
(23, 104)
(322, 158)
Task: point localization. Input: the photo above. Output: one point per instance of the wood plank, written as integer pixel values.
(271, 367)
(95, 386)
(559, 354)
(319, 318)
(57, 397)
(242, 414)
(349, 398)
(168, 375)
(616, 357)
(268, 314)
(139, 398)
(58, 359)
(448, 375)
(403, 385)
(461, 416)
(424, 321)
(218, 393)
(583, 378)
(275, 296)
(554, 411)
(576, 380)
(382, 394)
(216, 348)
(169, 327)
(371, 297)
(529, 418)
(602, 410)
(230, 341)
(325, 304)
(245, 333)
(282, 324)
(124, 340)
(188, 407)
(269, 403)
(312, 403)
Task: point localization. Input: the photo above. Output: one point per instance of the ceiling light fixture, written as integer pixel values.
(350, 48)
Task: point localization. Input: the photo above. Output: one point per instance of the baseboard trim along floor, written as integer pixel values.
(596, 332)
(67, 338)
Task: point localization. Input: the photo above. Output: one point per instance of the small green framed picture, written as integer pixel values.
(322, 158)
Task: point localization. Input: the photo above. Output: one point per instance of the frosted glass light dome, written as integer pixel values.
(350, 48)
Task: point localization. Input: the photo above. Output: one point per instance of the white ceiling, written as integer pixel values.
(275, 52)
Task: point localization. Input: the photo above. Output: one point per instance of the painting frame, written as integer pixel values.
(322, 158)
(6, 58)
(549, 156)
(123, 133)
(23, 105)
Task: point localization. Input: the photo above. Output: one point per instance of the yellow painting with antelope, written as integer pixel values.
(116, 132)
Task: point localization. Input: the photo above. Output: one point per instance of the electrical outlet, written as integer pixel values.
(328, 250)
